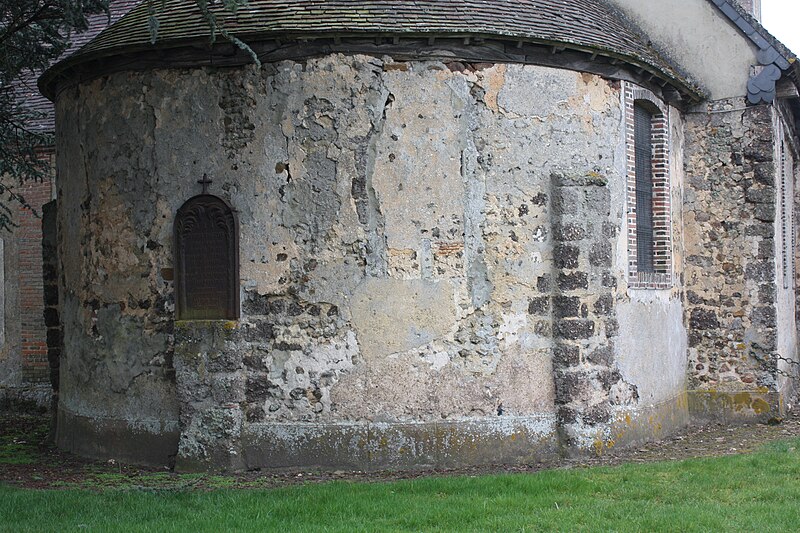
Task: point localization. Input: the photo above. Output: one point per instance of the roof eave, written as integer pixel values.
(49, 80)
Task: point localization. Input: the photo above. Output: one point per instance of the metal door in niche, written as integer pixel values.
(206, 260)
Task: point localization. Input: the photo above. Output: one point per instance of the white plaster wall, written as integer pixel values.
(784, 261)
(651, 349)
(700, 38)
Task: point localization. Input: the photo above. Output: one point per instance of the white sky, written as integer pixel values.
(782, 19)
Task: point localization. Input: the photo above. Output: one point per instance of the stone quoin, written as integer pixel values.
(434, 233)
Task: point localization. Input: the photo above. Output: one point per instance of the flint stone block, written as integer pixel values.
(573, 281)
(760, 272)
(760, 230)
(602, 355)
(766, 292)
(259, 331)
(543, 328)
(764, 316)
(227, 388)
(759, 151)
(566, 306)
(569, 232)
(254, 413)
(609, 230)
(604, 304)
(565, 202)
(543, 283)
(566, 256)
(258, 385)
(695, 299)
(539, 305)
(764, 212)
(600, 256)
(695, 338)
(566, 355)
(599, 200)
(597, 414)
(51, 317)
(761, 195)
(567, 415)
(766, 248)
(703, 319)
(54, 337)
(765, 173)
(574, 329)
(580, 385)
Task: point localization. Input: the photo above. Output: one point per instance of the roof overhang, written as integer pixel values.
(582, 35)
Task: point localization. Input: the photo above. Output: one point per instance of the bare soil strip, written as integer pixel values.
(28, 460)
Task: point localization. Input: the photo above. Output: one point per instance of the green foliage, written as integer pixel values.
(33, 33)
(210, 10)
(756, 492)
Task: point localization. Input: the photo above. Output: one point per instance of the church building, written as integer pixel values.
(430, 233)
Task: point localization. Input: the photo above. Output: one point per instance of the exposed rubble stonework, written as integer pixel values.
(733, 257)
(415, 246)
(428, 259)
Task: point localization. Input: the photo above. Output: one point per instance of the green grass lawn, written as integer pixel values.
(757, 492)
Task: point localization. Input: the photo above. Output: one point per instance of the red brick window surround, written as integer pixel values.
(649, 225)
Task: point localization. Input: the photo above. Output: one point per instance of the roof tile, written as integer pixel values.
(582, 24)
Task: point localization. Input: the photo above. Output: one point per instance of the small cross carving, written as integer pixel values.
(205, 182)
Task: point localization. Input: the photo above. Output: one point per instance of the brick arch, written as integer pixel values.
(658, 273)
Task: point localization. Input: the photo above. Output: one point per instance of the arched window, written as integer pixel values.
(649, 210)
(206, 260)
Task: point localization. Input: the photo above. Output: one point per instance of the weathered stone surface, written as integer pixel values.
(421, 247)
(731, 258)
(416, 312)
(573, 281)
(565, 256)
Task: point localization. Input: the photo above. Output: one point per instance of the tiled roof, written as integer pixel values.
(588, 25)
(27, 94)
(584, 22)
(25, 87)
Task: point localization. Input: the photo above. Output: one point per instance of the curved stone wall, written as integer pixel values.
(418, 255)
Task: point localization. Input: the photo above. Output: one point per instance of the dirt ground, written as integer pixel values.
(28, 460)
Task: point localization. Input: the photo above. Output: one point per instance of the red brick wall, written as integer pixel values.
(35, 366)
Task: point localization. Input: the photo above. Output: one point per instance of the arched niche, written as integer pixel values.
(206, 260)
